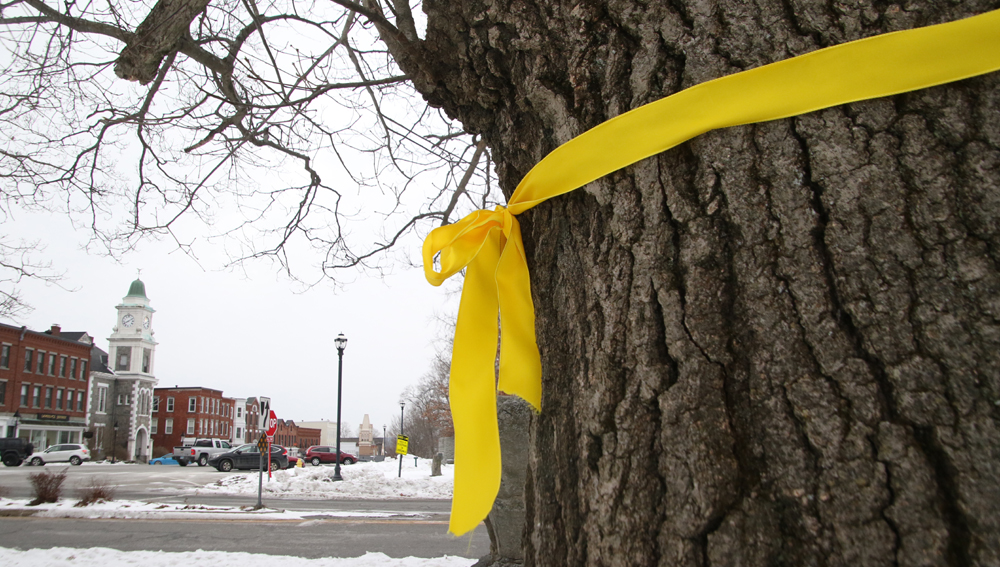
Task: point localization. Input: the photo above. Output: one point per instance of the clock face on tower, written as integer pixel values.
(145, 323)
(128, 320)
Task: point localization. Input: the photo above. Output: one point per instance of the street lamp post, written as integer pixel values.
(341, 342)
(383, 440)
(114, 443)
(13, 424)
(401, 404)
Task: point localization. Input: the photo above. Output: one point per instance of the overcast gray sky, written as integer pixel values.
(251, 334)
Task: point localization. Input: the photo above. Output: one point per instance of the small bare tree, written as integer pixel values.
(428, 413)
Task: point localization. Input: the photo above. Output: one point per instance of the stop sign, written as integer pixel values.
(272, 423)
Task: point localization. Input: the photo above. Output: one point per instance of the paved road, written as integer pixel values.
(420, 535)
(311, 538)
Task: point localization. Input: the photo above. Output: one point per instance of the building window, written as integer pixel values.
(24, 395)
(5, 356)
(62, 366)
(192, 404)
(59, 399)
(40, 369)
(239, 432)
(52, 364)
(123, 359)
(72, 369)
(239, 412)
(146, 354)
(48, 397)
(168, 426)
(36, 397)
(156, 404)
(83, 370)
(102, 399)
(170, 404)
(3, 392)
(190, 427)
(124, 399)
(152, 427)
(28, 359)
(79, 401)
(69, 400)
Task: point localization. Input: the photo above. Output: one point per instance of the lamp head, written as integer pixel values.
(341, 342)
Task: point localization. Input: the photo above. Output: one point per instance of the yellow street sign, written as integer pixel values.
(402, 442)
(262, 443)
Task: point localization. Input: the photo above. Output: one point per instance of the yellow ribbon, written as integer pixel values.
(488, 243)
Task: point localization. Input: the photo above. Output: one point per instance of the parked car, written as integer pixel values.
(167, 459)
(14, 450)
(73, 453)
(318, 454)
(248, 457)
(200, 451)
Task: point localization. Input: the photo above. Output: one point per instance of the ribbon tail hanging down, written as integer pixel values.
(520, 363)
(472, 391)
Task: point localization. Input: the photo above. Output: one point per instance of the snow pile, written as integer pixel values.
(361, 481)
(104, 557)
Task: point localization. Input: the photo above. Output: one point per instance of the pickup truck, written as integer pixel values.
(200, 451)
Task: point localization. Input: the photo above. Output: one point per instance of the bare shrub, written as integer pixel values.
(47, 486)
(98, 490)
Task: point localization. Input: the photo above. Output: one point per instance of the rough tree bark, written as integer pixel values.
(775, 345)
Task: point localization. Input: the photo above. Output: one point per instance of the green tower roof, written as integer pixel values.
(137, 289)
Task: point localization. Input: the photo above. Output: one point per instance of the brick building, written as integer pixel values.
(190, 412)
(295, 437)
(43, 382)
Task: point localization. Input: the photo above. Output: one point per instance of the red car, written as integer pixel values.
(318, 454)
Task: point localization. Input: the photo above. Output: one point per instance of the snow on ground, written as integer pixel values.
(374, 481)
(104, 557)
(361, 481)
(122, 509)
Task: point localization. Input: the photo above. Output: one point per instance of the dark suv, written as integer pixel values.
(318, 454)
(248, 457)
(14, 450)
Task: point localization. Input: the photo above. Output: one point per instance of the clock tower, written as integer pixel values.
(131, 342)
(123, 397)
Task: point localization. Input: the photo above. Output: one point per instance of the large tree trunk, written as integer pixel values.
(774, 345)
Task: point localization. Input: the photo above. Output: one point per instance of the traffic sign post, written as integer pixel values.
(261, 446)
(402, 444)
(272, 427)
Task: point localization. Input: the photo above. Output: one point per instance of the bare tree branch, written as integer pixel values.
(279, 130)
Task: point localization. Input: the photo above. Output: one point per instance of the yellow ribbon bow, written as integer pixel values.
(489, 244)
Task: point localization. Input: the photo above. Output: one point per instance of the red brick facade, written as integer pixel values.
(194, 412)
(291, 435)
(43, 377)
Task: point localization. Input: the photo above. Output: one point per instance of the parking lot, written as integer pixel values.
(133, 481)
